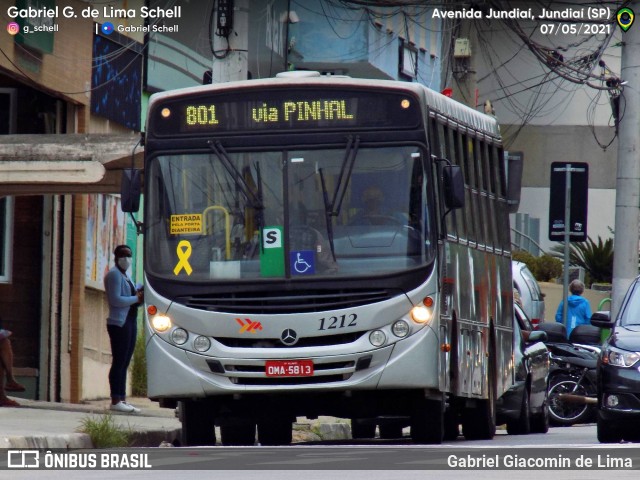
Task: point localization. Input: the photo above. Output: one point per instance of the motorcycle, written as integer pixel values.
(572, 373)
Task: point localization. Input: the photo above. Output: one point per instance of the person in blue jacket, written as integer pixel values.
(124, 298)
(578, 307)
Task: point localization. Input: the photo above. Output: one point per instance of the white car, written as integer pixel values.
(531, 296)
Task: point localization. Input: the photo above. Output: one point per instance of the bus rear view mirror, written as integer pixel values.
(514, 180)
(130, 190)
(453, 183)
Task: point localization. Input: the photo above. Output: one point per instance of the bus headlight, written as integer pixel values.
(400, 329)
(202, 344)
(377, 338)
(179, 336)
(161, 323)
(420, 314)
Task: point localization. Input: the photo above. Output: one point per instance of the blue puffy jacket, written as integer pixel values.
(578, 312)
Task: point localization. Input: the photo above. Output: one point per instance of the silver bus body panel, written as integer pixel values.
(185, 374)
(175, 371)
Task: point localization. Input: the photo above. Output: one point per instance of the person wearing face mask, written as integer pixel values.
(124, 299)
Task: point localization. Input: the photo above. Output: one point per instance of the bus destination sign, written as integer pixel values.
(272, 110)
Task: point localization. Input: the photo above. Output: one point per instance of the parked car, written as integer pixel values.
(531, 296)
(524, 407)
(618, 371)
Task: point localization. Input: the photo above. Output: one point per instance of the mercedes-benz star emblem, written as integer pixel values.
(289, 337)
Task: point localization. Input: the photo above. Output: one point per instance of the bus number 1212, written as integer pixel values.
(342, 321)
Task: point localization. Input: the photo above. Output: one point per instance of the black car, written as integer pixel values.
(524, 406)
(618, 371)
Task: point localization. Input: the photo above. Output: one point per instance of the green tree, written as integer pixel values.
(595, 258)
(544, 268)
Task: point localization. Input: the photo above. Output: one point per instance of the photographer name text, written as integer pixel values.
(90, 12)
(542, 462)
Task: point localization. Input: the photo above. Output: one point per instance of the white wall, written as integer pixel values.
(600, 218)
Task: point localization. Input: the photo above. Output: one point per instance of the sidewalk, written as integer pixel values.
(38, 424)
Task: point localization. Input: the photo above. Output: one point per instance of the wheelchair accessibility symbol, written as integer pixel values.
(302, 262)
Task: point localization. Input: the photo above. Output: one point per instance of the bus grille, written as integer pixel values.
(286, 302)
(292, 380)
(322, 341)
(324, 373)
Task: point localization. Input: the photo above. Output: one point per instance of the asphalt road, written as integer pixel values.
(376, 460)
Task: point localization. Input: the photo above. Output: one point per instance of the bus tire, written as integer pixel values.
(238, 434)
(391, 429)
(427, 422)
(451, 425)
(276, 431)
(479, 423)
(198, 423)
(362, 428)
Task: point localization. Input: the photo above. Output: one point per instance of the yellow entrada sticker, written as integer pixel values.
(181, 224)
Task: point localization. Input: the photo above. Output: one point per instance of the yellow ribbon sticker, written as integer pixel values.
(184, 252)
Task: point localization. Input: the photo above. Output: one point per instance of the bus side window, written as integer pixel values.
(452, 218)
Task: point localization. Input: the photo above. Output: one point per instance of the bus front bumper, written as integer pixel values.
(410, 363)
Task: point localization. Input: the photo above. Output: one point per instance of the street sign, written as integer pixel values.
(568, 201)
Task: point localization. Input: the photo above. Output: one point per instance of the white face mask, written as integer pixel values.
(124, 263)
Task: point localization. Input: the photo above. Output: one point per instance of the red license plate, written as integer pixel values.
(289, 368)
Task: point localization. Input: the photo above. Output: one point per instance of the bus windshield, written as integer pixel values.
(288, 213)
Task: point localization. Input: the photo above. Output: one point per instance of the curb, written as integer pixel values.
(153, 438)
(67, 441)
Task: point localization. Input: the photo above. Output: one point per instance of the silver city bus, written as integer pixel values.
(325, 246)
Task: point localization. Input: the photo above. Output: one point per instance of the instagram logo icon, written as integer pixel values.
(13, 28)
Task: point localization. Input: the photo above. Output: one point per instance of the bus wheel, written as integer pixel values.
(198, 423)
(276, 431)
(480, 423)
(362, 428)
(238, 433)
(451, 425)
(427, 422)
(391, 429)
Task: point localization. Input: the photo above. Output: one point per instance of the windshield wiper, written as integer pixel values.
(347, 167)
(330, 208)
(255, 200)
(327, 213)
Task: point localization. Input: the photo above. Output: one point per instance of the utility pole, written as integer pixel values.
(625, 262)
(234, 65)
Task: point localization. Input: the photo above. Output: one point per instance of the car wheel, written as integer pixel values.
(540, 421)
(522, 424)
(609, 431)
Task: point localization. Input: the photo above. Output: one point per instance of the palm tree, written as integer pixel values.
(595, 258)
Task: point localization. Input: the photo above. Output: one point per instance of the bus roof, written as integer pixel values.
(445, 106)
